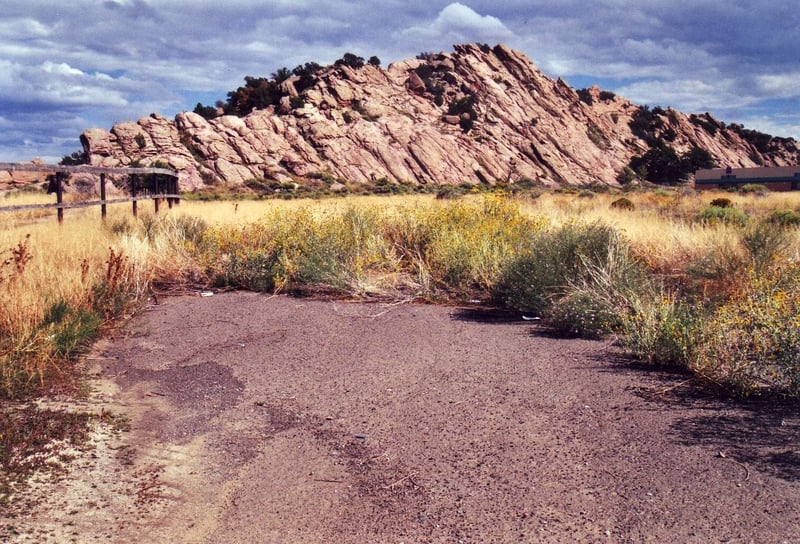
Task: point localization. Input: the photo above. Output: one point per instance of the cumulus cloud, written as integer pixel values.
(457, 23)
(56, 85)
(772, 124)
(693, 95)
(780, 85)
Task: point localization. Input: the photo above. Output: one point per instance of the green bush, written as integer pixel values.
(451, 248)
(70, 329)
(660, 330)
(581, 314)
(467, 245)
(292, 249)
(730, 216)
(598, 301)
(449, 192)
(541, 274)
(753, 188)
(787, 218)
(765, 242)
(597, 136)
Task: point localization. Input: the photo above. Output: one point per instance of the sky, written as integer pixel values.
(69, 66)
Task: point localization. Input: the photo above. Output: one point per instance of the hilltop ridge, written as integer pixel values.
(475, 115)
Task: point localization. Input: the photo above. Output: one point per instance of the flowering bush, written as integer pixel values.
(752, 343)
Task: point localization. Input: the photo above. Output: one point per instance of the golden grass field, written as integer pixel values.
(61, 284)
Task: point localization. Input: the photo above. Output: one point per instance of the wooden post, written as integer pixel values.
(157, 191)
(103, 195)
(172, 188)
(132, 178)
(60, 195)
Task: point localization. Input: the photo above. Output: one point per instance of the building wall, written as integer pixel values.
(774, 186)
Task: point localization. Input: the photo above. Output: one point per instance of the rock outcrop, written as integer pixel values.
(17, 179)
(475, 115)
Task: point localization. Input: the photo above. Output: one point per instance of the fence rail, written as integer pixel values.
(83, 203)
(164, 180)
(81, 169)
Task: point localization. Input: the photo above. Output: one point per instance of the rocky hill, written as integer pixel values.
(476, 115)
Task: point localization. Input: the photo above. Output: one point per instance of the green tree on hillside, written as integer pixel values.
(351, 60)
(206, 112)
(662, 164)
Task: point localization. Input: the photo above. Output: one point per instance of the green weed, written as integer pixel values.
(543, 272)
(661, 330)
(727, 215)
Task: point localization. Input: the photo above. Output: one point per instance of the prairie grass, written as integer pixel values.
(654, 273)
(61, 284)
(415, 246)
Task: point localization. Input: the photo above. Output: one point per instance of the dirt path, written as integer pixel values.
(271, 419)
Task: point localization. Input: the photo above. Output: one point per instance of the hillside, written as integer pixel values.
(476, 115)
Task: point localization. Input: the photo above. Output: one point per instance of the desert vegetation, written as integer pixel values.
(706, 283)
(263, 92)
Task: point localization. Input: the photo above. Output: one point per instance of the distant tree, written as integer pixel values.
(307, 74)
(696, 159)
(706, 122)
(585, 96)
(257, 93)
(309, 68)
(759, 140)
(465, 105)
(374, 61)
(662, 164)
(281, 75)
(645, 123)
(140, 140)
(627, 176)
(75, 158)
(351, 60)
(424, 71)
(206, 112)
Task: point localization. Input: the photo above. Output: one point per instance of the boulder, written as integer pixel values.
(415, 83)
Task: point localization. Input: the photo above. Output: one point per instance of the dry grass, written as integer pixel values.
(82, 268)
(386, 246)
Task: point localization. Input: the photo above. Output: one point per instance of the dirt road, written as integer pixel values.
(260, 419)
